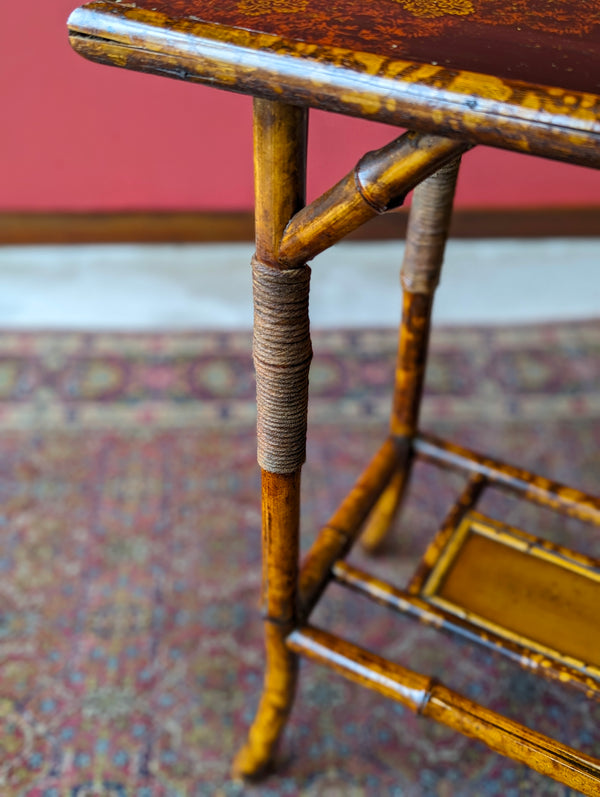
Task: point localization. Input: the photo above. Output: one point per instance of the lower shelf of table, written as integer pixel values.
(520, 588)
(520, 595)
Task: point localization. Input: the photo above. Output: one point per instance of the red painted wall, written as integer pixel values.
(77, 136)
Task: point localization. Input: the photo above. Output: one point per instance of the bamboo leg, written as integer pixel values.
(425, 242)
(280, 572)
(282, 355)
(336, 538)
(385, 510)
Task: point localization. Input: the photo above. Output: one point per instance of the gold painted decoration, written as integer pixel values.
(549, 43)
(255, 8)
(428, 9)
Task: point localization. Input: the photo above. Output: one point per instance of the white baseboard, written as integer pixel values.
(196, 286)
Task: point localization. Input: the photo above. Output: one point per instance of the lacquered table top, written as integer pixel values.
(520, 74)
(552, 43)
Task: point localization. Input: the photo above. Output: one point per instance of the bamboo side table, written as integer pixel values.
(456, 73)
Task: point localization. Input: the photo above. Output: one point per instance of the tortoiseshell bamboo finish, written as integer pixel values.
(537, 489)
(513, 74)
(414, 606)
(337, 537)
(379, 182)
(431, 699)
(516, 40)
(426, 235)
(476, 107)
(280, 169)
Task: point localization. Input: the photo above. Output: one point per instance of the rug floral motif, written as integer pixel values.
(130, 639)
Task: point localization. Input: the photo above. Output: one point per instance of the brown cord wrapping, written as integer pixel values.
(282, 354)
(427, 231)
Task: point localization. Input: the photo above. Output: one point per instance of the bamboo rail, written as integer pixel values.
(407, 603)
(430, 699)
(452, 110)
(378, 182)
(538, 490)
(338, 535)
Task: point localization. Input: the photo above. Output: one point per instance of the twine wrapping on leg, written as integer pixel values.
(427, 232)
(282, 354)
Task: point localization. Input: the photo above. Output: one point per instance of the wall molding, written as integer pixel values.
(236, 226)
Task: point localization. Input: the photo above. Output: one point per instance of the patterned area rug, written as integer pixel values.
(130, 641)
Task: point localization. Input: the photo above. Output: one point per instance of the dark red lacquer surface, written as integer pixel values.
(550, 42)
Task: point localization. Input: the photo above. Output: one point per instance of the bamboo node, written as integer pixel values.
(282, 353)
(365, 189)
